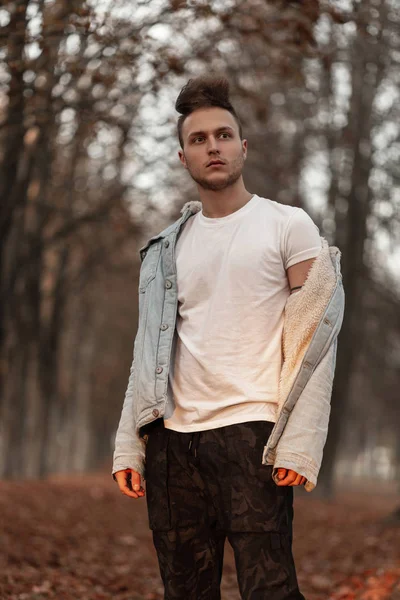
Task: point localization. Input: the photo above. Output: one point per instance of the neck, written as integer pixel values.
(221, 203)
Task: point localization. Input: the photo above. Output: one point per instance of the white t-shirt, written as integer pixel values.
(232, 290)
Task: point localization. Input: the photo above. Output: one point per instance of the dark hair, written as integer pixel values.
(203, 91)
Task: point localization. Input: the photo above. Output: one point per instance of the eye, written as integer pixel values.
(201, 137)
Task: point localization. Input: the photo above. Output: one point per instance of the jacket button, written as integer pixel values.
(168, 284)
(159, 370)
(164, 326)
(156, 412)
(166, 243)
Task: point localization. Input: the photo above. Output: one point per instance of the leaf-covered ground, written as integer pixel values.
(79, 538)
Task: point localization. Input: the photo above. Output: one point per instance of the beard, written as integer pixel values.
(228, 180)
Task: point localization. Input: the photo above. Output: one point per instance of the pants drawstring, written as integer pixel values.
(194, 442)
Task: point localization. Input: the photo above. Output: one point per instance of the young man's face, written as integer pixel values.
(212, 134)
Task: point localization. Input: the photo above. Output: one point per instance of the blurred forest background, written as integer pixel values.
(89, 170)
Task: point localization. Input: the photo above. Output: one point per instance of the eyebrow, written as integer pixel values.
(193, 133)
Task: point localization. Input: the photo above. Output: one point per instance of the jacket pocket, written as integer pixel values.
(149, 266)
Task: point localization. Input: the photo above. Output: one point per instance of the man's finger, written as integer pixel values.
(297, 480)
(135, 481)
(127, 492)
(282, 473)
(291, 476)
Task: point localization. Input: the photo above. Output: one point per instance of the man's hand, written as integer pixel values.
(289, 477)
(129, 483)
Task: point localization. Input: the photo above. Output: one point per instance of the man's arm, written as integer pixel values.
(296, 275)
(129, 452)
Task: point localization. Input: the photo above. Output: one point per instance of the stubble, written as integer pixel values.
(235, 171)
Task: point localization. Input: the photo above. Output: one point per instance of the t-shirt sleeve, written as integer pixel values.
(301, 239)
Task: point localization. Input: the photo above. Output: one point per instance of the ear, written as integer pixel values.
(182, 158)
(244, 148)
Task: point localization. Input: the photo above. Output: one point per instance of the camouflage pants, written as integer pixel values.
(205, 486)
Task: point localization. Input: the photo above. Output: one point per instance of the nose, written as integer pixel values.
(212, 145)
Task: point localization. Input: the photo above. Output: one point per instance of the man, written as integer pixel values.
(229, 345)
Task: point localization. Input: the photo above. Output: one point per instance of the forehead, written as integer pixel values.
(207, 120)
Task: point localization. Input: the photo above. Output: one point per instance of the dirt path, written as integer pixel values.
(78, 538)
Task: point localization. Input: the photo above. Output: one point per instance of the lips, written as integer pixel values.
(215, 162)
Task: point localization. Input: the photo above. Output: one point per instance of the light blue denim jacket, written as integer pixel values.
(312, 321)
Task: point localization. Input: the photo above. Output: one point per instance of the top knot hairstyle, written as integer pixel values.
(203, 92)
